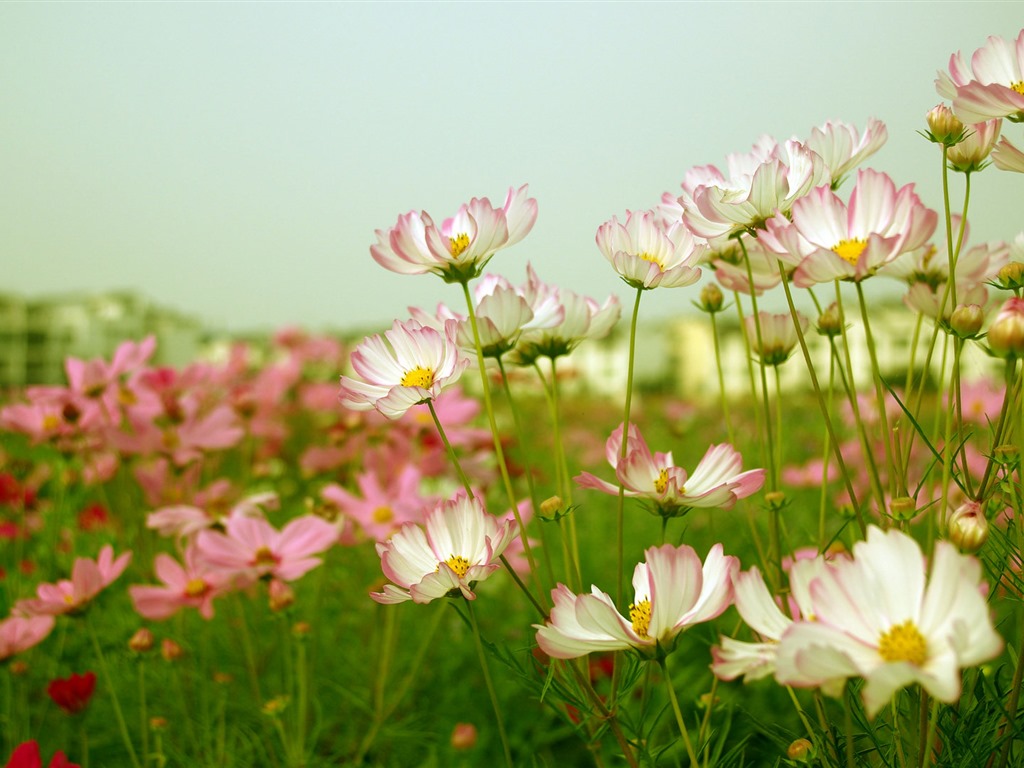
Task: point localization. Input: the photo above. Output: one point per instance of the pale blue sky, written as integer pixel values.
(233, 160)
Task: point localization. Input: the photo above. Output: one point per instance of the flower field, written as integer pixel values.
(425, 549)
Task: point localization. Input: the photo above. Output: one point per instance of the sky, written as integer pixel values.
(233, 160)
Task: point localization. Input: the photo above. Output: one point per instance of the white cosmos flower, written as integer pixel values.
(411, 364)
(460, 545)
(648, 254)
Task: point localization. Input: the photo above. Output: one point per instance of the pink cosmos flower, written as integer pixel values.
(183, 520)
(842, 147)
(882, 617)
(647, 255)
(993, 84)
(193, 585)
(382, 508)
(460, 545)
(831, 240)
(778, 335)
(411, 364)
(88, 579)
(459, 249)
(716, 481)
(251, 547)
(972, 152)
(673, 591)
(582, 318)
(1007, 157)
(19, 633)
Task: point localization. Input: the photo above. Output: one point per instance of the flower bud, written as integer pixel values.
(800, 750)
(550, 506)
(18, 668)
(170, 650)
(281, 595)
(275, 706)
(301, 628)
(1006, 336)
(223, 678)
(829, 321)
(943, 126)
(972, 153)
(141, 641)
(967, 320)
(711, 298)
(158, 723)
(902, 508)
(463, 736)
(967, 527)
(775, 500)
(1011, 276)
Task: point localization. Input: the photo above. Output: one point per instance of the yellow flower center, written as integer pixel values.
(418, 377)
(196, 588)
(69, 599)
(640, 615)
(459, 243)
(1018, 87)
(662, 482)
(458, 564)
(383, 515)
(652, 258)
(51, 422)
(904, 642)
(850, 250)
(264, 556)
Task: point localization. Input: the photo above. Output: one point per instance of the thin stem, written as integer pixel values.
(143, 715)
(848, 728)
(122, 726)
(879, 391)
(721, 380)
(679, 715)
(563, 466)
(489, 683)
(620, 518)
(451, 451)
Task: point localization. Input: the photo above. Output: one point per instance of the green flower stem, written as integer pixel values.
(749, 358)
(451, 451)
(489, 683)
(679, 715)
(302, 689)
(527, 467)
(767, 439)
(620, 515)
(118, 714)
(879, 390)
(851, 395)
(721, 380)
(851, 761)
(823, 405)
(928, 726)
(496, 436)
(563, 468)
(143, 714)
(1010, 395)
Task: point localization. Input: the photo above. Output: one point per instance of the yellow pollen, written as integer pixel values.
(383, 515)
(640, 615)
(264, 556)
(662, 482)
(1018, 87)
(458, 564)
(196, 588)
(459, 243)
(418, 377)
(652, 258)
(850, 250)
(69, 599)
(904, 642)
(51, 422)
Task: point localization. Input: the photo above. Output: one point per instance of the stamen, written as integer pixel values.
(652, 259)
(418, 377)
(1018, 87)
(850, 250)
(458, 564)
(196, 588)
(904, 642)
(459, 243)
(662, 482)
(264, 556)
(640, 615)
(383, 515)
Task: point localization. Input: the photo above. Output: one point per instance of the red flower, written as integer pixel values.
(72, 694)
(27, 756)
(93, 518)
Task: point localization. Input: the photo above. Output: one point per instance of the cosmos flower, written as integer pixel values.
(884, 617)
(193, 585)
(673, 590)
(778, 335)
(411, 364)
(88, 579)
(647, 255)
(716, 482)
(842, 147)
(19, 633)
(460, 248)
(459, 546)
(27, 755)
(993, 84)
(72, 694)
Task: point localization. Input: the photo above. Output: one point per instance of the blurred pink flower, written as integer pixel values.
(19, 633)
(673, 591)
(251, 547)
(193, 585)
(382, 508)
(88, 579)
